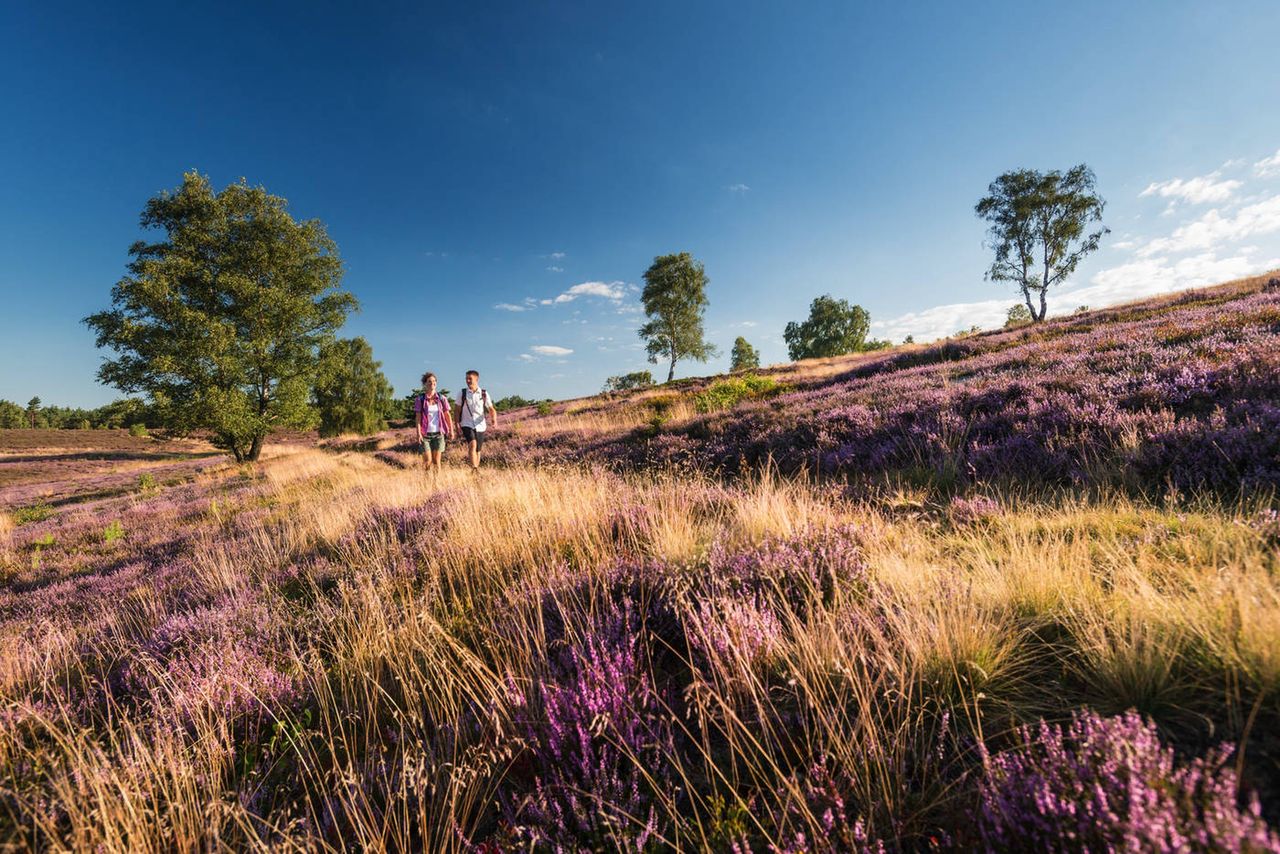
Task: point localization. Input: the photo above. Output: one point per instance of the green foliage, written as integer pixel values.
(515, 401)
(544, 408)
(675, 299)
(147, 483)
(834, 328)
(660, 411)
(33, 513)
(1038, 222)
(627, 382)
(220, 322)
(12, 416)
(113, 532)
(744, 357)
(1018, 315)
(727, 393)
(351, 394)
(138, 431)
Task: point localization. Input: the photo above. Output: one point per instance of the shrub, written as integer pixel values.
(147, 483)
(34, 513)
(545, 407)
(726, 394)
(138, 431)
(113, 532)
(599, 747)
(1108, 784)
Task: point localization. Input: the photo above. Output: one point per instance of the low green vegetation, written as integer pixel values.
(728, 393)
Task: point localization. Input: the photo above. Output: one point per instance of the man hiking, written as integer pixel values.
(476, 415)
(434, 420)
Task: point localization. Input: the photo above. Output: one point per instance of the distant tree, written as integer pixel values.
(12, 416)
(351, 394)
(1038, 228)
(627, 382)
(1081, 309)
(124, 412)
(515, 401)
(834, 328)
(675, 298)
(33, 412)
(744, 357)
(910, 339)
(220, 322)
(1017, 315)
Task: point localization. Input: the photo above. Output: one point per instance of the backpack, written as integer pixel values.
(420, 408)
(485, 405)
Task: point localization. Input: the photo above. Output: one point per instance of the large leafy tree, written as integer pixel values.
(744, 357)
(1039, 229)
(627, 382)
(834, 327)
(351, 393)
(675, 298)
(220, 321)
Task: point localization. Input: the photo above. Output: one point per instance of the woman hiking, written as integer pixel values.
(434, 421)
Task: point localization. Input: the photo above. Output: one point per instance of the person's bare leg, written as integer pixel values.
(426, 461)
(435, 459)
(475, 454)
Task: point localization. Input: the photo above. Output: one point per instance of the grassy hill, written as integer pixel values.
(1013, 592)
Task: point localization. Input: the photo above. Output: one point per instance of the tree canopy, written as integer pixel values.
(744, 357)
(351, 393)
(220, 321)
(834, 327)
(1038, 228)
(675, 299)
(627, 382)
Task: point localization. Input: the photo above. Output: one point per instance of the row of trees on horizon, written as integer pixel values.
(228, 324)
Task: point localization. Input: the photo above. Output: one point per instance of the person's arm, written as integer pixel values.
(493, 413)
(417, 419)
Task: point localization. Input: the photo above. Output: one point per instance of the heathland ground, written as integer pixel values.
(1015, 591)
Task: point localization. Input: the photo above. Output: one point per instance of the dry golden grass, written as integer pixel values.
(1175, 613)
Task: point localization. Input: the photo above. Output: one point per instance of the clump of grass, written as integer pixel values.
(728, 393)
(37, 512)
(147, 483)
(113, 532)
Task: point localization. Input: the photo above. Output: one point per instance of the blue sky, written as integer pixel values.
(473, 161)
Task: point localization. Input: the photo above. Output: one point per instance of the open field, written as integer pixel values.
(744, 629)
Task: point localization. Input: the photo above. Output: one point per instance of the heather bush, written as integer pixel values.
(599, 744)
(1109, 784)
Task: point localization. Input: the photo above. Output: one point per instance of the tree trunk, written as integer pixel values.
(1044, 307)
(1031, 309)
(671, 374)
(254, 450)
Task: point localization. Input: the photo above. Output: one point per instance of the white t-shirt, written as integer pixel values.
(433, 416)
(473, 409)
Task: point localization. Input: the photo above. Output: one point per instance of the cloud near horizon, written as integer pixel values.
(549, 350)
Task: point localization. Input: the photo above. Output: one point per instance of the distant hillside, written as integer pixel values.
(1176, 392)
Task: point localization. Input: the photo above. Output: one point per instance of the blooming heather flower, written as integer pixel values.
(1108, 784)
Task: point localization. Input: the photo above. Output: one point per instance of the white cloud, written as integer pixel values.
(1196, 191)
(748, 324)
(554, 256)
(554, 269)
(1149, 276)
(506, 306)
(526, 357)
(737, 188)
(545, 301)
(1214, 228)
(1268, 166)
(550, 350)
(943, 320)
(608, 290)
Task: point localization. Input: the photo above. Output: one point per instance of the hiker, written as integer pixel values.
(476, 415)
(434, 420)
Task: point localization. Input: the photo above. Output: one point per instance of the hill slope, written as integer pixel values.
(1181, 390)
